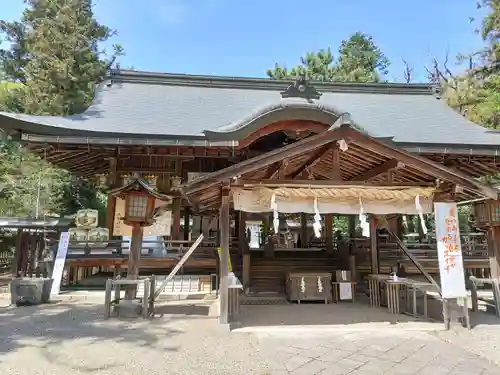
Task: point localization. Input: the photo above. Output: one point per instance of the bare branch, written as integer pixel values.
(408, 71)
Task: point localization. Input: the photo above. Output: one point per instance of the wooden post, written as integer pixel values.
(304, 233)
(176, 219)
(186, 224)
(247, 266)
(242, 232)
(493, 237)
(329, 233)
(224, 259)
(134, 259)
(244, 249)
(111, 202)
(375, 266)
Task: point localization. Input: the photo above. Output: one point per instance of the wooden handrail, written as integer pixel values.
(177, 267)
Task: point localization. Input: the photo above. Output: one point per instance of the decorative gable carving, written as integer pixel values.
(301, 89)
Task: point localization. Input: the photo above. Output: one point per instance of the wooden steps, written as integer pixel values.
(269, 275)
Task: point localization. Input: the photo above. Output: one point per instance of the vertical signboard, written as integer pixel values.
(62, 251)
(449, 247)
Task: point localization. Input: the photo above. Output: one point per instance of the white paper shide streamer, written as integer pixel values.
(342, 145)
(317, 220)
(276, 219)
(302, 285)
(418, 206)
(320, 285)
(363, 222)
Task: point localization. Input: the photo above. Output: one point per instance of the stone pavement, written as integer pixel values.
(368, 353)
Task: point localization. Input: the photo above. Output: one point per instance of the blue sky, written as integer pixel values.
(244, 38)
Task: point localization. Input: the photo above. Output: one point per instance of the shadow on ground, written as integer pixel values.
(59, 324)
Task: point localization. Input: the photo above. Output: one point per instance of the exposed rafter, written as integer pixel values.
(381, 169)
(311, 162)
(279, 169)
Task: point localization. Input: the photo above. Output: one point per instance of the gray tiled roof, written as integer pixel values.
(176, 106)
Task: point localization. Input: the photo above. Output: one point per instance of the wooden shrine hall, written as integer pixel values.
(261, 155)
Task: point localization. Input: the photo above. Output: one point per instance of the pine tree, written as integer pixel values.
(55, 55)
(52, 66)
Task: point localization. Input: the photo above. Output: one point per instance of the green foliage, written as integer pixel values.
(475, 93)
(55, 54)
(359, 60)
(51, 67)
(28, 186)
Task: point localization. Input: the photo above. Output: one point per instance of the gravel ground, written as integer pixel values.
(483, 339)
(55, 339)
(70, 337)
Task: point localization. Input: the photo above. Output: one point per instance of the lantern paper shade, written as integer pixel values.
(137, 206)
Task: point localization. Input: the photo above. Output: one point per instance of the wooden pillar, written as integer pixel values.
(351, 227)
(186, 223)
(176, 206)
(304, 233)
(224, 259)
(242, 231)
(329, 233)
(245, 249)
(176, 219)
(395, 225)
(134, 259)
(111, 202)
(375, 266)
(246, 273)
(493, 237)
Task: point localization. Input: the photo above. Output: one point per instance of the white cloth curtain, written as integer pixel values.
(248, 201)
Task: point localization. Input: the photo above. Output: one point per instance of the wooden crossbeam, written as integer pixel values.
(378, 170)
(277, 170)
(324, 183)
(311, 162)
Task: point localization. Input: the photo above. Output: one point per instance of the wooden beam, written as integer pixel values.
(336, 175)
(272, 169)
(420, 163)
(310, 163)
(279, 170)
(268, 158)
(325, 183)
(378, 170)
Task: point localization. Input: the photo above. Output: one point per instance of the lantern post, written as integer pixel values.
(140, 198)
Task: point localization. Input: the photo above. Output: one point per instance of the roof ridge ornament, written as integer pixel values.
(301, 88)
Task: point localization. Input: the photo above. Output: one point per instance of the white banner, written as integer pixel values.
(62, 251)
(449, 247)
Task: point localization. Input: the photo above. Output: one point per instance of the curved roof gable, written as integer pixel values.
(142, 105)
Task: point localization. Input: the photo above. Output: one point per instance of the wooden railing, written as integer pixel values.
(6, 257)
(153, 249)
(474, 250)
